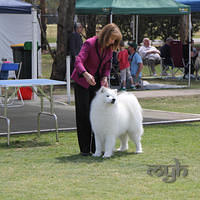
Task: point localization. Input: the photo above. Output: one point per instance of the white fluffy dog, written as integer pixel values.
(115, 115)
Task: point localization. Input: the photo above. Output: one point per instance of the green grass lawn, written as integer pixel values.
(51, 33)
(43, 169)
(39, 168)
(176, 104)
(47, 62)
(34, 168)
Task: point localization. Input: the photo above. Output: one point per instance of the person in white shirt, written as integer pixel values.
(149, 54)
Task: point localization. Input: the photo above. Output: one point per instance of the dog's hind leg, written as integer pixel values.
(138, 146)
(123, 143)
(109, 146)
(99, 148)
(136, 138)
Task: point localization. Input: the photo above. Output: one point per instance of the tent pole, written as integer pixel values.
(111, 17)
(133, 27)
(75, 18)
(34, 46)
(137, 29)
(112, 57)
(190, 28)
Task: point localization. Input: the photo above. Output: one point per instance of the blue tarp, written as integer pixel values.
(194, 4)
(15, 6)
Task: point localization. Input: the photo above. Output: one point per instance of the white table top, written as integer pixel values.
(30, 82)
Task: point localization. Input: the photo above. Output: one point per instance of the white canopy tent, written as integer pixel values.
(18, 24)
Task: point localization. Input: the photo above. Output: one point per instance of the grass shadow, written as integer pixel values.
(77, 158)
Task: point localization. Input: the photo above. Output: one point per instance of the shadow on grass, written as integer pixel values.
(77, 158)
(24, 144)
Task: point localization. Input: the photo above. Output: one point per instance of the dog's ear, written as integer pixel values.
(102, 89)
(115, 90)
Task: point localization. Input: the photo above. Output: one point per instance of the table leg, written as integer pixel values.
(4, 117)
(51, 113)
(8, 128)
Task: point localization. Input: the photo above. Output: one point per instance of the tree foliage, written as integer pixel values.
(154, 26)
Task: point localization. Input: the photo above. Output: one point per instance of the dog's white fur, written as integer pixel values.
(115, 115)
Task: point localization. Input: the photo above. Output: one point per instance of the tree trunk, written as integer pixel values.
(184, 34)
(66, 12)
(44, 26)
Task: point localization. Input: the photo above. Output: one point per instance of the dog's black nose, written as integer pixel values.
(113, 101)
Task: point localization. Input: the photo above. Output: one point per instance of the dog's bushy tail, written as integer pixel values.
(130, 101)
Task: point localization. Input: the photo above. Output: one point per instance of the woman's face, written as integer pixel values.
(111, 41)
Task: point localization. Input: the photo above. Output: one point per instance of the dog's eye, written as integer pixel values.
(107, 95)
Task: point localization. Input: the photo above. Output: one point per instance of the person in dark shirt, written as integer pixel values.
(165, 55)
(75, 44)
(194, 54)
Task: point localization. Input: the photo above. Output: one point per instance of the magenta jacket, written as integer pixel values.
(88, 60)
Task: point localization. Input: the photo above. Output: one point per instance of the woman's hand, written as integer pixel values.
(89, 78)
(104, 81)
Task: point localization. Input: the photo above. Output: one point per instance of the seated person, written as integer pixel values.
(149, 54)
(135, 64)
(165, 55)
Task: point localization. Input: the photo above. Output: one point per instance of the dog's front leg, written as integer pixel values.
(109, 146)
(98, 144)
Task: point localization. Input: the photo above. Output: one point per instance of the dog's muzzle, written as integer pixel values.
(113, 101)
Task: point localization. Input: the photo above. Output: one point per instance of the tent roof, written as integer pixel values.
(15, 6)
(195, 4)
(126, 7)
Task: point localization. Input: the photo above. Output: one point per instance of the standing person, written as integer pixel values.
(124, 66)
(136, 64)
(150, 54)
(194, 55)
(92, 68)
(75, 44)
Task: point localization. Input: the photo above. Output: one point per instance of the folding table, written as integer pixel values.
(34, 83)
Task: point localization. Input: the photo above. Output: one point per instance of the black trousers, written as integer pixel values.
(83, 98)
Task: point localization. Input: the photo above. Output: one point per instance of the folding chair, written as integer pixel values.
(16, 67)
(149, 63)
(146, 62)
(177, 58)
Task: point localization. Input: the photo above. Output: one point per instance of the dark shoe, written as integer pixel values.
(85, 154)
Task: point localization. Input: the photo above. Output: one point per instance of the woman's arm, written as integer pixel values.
(82, 57)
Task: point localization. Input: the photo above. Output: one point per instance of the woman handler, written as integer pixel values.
(92, 68)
